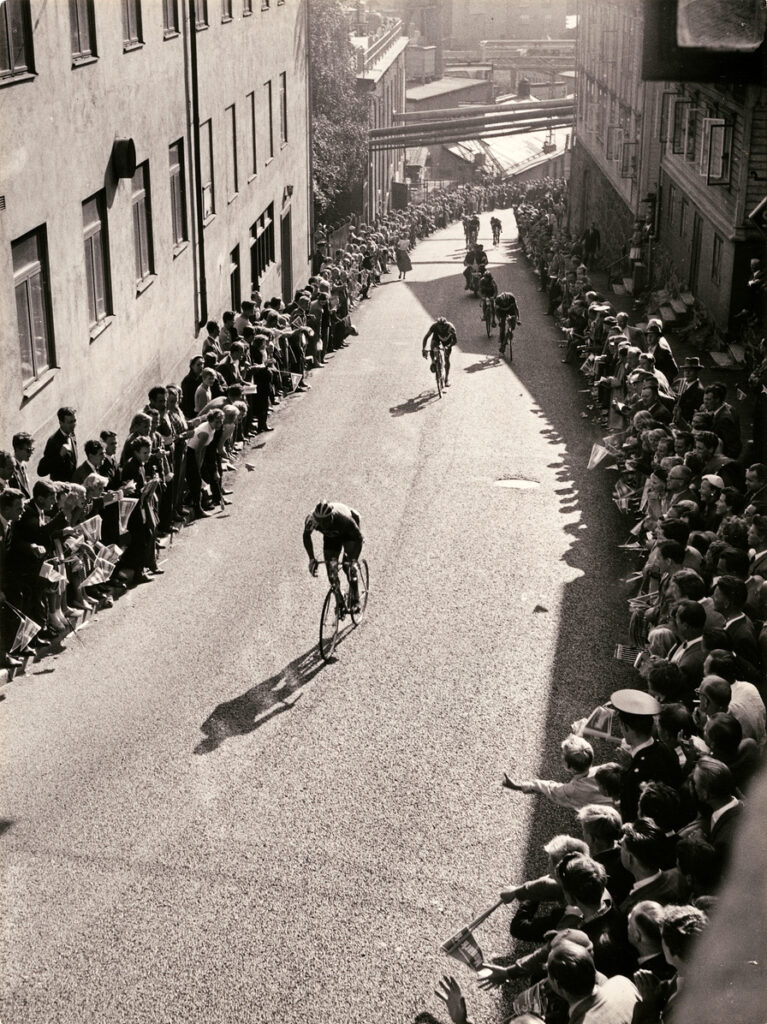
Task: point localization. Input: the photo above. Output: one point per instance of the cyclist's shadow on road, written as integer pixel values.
(260, 703)
(414, 404)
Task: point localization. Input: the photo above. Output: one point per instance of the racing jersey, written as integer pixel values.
(446, 337)
(342, 525)
(506, 304)
(488, 289)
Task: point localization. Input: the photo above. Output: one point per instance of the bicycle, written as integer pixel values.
(438, 367)
(496, 236)
(337, 603)
(506, 325)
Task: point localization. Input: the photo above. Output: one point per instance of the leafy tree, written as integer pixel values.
(339, 111)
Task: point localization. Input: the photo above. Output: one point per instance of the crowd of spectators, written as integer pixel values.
(606, 933)
(81, 525)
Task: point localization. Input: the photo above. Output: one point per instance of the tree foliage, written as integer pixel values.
(339, 112)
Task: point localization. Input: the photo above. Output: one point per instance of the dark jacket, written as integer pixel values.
(58, 462)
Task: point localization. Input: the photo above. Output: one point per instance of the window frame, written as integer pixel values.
(18, 10)
(247, 8)
(76, 9)
(270, 115)
(141, 203)
(262, 246)
(251, 97)
(201, 15)
(207, 188)
(720, 154)
(717, 248)
(132, 7)
(227, 14)
(170, 23)
(38, 268)
(283, 108)
(232, 175)
(97, 229)
(177, 183)
(679, 126)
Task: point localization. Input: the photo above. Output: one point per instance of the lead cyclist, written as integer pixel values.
(340, 529)
(441, 332)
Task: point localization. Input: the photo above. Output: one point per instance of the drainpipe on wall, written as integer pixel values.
(202, 312)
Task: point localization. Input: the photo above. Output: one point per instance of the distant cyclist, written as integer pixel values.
(340, 529)
(496, 227)
(474, 262)
(441, 332)
(506, 308)
(488, 290)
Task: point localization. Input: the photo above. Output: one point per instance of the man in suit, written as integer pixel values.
(690, 390)
(23, 446)
(11, 507)
(109, 466)
(643, 851)
(726, 423)
(756, 487)
(678, 488)
(648, 758)
(32, 543)
(94, 457)
(601, 827)
(59, 460)
(715, 789)
(680, 928)
(688, 620)
(644, 933)
(729, 596)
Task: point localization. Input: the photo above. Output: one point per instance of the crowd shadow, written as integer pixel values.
(415, 404)
(261, 703)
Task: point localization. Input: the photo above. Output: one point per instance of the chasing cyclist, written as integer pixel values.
(475, 262)
(506, 308)
(496, 227)
(442, 333)
(340, 529)
(488, 292)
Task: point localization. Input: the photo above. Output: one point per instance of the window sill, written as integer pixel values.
(99, 328)
(226, 18)
(283, 144)
(141, 286)
(247, 14)
(267, 162)
(80, 62)
(252, 177)
(36, 386)
(171, 33)
(201, 27)
(26, 76)
(232, 198)
(130, 47)
(179, 248)
(208, 220)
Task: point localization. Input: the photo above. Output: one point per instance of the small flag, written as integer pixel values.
(27, 631)
(463, 946)
(50, 573)
(91, 529)
(598, 454)
(101, 572)
(127, 506)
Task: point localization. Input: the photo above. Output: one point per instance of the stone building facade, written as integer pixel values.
(155, 171)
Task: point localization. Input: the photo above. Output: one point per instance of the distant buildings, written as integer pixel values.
(689, 159)
(155, 171)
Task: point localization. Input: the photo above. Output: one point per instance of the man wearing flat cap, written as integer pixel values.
(690, 391)
(649, 759)
(660, 349)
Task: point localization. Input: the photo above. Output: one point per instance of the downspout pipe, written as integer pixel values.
(195, 90)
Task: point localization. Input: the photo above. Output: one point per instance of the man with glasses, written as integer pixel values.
(23, 446)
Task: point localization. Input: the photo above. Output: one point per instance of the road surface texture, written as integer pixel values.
(201, 822)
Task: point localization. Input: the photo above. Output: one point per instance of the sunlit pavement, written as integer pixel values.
(201, 821)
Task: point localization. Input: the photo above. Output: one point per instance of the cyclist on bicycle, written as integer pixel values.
(488, 292)
(475, 262)
(496, 227)
(442, 333)
(474, 232)
(506, 306)
(340, 529)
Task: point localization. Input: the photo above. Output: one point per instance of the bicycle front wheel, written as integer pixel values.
(363, 590)
(438, 373)
(329, 626)
(488, 320)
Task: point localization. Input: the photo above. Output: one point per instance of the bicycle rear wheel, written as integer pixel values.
(363, 590)
(329, 626)
(509, 339)
(488, 319)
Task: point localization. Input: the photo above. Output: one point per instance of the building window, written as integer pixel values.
(247, 8)
(270, 115)
(252, 118)
(132, 23)
(15, 39)
(234, 277)
(33, 304)
(201, 14)
(261, 246)
(96, 259)
(283, 107)
(170, 17)
(716, 260)
(82, 29)
(208, 198)
(177, 193)
(142, 224)
(265, 5)
(671, 204)
(682, 218)
(230, 124)
(226, 10)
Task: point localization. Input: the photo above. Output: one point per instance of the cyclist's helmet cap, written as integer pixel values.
(322, 510)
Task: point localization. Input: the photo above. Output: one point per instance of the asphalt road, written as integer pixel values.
(201, 822)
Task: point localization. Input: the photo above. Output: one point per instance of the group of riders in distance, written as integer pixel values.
(339, 524)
